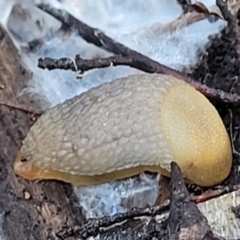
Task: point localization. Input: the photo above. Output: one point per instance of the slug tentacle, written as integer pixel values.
(120, 129)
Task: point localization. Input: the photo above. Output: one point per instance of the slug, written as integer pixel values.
(123, 128)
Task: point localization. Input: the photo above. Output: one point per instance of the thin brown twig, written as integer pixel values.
(22, 107)
(83, 65)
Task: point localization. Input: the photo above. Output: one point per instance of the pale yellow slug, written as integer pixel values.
(131, 125)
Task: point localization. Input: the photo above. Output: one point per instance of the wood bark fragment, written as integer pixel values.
(30, 210)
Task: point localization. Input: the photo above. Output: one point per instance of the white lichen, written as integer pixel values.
(118, 197)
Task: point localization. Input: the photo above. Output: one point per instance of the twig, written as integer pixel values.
(91, 35)
(139, 63)
(22, 107)
(98, 38)
(92, 226)
(82, 65)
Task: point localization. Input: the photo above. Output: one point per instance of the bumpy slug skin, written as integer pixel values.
(119, 129)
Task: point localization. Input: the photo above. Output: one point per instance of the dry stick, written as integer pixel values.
(82, 65)
(98, 38)
(92, 226)
(20, 106)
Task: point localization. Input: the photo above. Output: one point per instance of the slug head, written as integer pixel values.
(196, 135)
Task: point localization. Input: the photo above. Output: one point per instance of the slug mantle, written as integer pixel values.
(131, 125)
